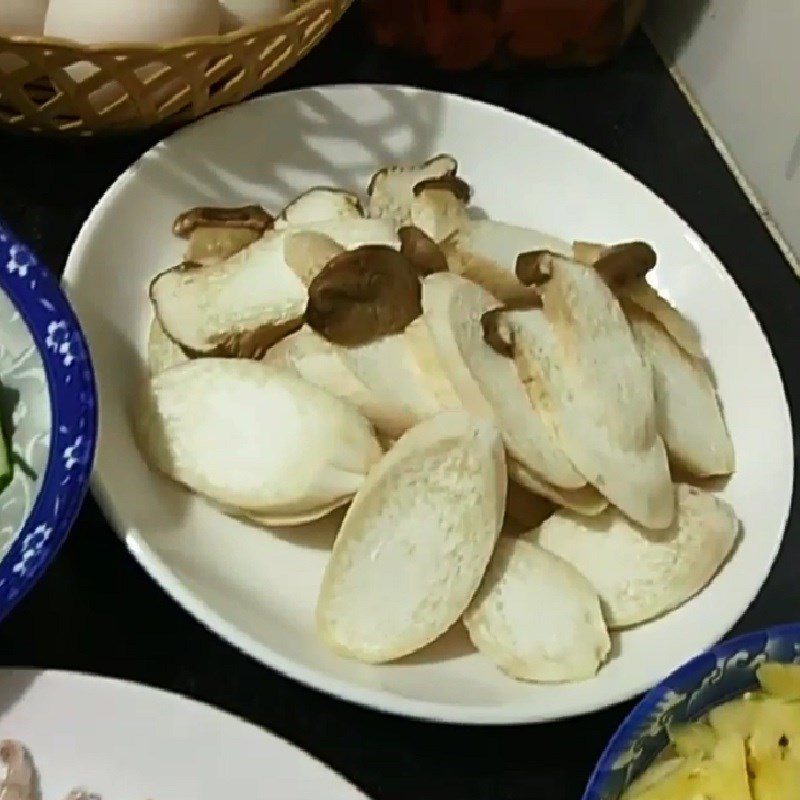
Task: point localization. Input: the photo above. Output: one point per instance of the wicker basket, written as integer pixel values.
(62, 87)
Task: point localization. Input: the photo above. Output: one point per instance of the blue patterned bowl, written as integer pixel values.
(49, 403)
(720, 674)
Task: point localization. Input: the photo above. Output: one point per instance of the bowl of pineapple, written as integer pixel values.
(725, 726)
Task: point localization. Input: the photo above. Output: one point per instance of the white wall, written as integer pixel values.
(740, 59)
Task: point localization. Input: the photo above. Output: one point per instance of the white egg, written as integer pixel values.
(22, 17)
(238, 13)
(97, 21)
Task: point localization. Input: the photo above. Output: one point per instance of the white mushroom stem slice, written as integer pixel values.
(536, 617)
(327, 366)
(439, 206)
(486, 252)
(404, 374)
(602, 393)
(677, 326)
(640, 574)
(486, 382)
(585, 500)
(236, 308)
(416, 541)
(319, 204)
(253, 437)
(391, 190)
(353, 233)
(647, 298)
(688, 412)
(162, 352)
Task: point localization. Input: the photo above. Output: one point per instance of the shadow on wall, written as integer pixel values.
(671, 23)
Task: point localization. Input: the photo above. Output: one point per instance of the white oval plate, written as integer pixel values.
(122, 740)
(258, 589)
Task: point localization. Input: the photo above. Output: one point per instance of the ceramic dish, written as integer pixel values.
(49, 406)
(127, 740)
(258, 588)
(720, 674)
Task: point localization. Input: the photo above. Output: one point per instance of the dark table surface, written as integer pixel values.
(96, 610)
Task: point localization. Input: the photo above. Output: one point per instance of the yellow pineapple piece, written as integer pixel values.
(721, 777)
(694, 738)
(736, 718)
(775, 779)
(780, 680)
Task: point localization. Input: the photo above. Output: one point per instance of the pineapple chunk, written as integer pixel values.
(780, 680)
(697, 738)
(736, 718)
(775, 779)
(722, 777)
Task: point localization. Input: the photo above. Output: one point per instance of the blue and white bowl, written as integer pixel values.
(718, 675)
(51, 403)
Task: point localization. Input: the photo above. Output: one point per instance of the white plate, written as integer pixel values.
(122, 740)
(258, 589)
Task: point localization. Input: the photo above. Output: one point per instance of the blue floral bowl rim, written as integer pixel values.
(633, 724)
(37, 295)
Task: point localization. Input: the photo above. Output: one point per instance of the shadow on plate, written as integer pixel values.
(237, 175)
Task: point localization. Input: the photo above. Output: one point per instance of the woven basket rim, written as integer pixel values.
(55, 43)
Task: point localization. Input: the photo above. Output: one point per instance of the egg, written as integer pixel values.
(98, 21)
(22, 17)
(152, 21)
(238, 13)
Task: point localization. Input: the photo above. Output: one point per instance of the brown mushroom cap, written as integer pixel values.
(497, 333)
(622, 263)
(385, 170)
(250, 217)
(364, 294)
(459, 188)
(534, 268)
(421, 251)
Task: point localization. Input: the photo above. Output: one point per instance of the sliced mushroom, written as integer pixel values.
(424, 254)
(602, 395)
(391, 190)
(319, 204)
(362, 295)
(253, 218)
(236, 308)
(638, 574)
(254, 438)
(688, 413)
(679, 328)
(487, 253)
(327, 366)
(215, 234)
(487, 383)
(352, 233)
(585, 500)
(497, 332)
(308, 252)
(404, 372)
(439, 206)
(536, 617)
(162, 352)
(640, 258)
(416, 541)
